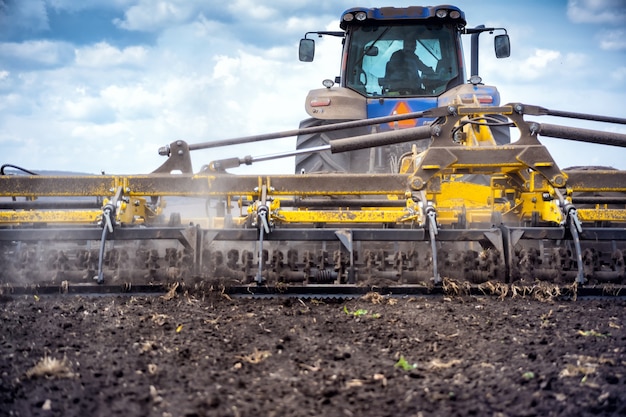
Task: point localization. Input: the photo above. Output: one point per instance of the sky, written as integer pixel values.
(98, 86)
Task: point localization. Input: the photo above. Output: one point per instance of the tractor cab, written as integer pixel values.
(394, 61)
(411, 55)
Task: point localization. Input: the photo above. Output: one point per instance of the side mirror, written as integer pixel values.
(502, 46)
(306, 51)
(371, 50)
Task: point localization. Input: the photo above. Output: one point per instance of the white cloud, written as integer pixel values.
(619, 75)
(251, 9)
(535, 66)
(11, 102)
(37, 52)
(597, 11)
(150, 15)
(613, 40)
(541, 59)
(74, 6)
(133, 101)
(23, 15)
(102, 55)
(88, 109)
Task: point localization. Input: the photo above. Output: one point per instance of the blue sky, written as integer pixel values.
(101, 85)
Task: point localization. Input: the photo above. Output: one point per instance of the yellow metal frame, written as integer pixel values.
(18, 217)
(515, 189)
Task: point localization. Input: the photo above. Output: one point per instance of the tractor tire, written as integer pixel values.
(325, 161)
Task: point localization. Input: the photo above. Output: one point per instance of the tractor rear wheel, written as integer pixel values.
(326, 161)
(383, 159)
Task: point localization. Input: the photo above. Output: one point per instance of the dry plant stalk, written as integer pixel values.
(257, 356)
(438, 364)
(373, 297)
(51, 368)
(377, 298)
(312, 368)
(498, 288)
(450, 287)
(453, 287)
(171, 293)
(159, 319)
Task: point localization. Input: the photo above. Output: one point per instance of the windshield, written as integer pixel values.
(402, 60)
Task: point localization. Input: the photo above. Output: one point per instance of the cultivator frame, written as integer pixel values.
(520, 215)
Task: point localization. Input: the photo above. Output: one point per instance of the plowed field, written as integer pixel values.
(214, 356)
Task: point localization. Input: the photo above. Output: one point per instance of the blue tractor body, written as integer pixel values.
(394, 61)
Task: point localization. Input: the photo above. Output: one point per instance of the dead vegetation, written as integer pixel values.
(454, 287)
(439, 364)
(377, 298)
(540, 291)
(257, 356)
(171, 293)
(48, 367)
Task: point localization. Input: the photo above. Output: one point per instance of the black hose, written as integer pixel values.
(15, 167)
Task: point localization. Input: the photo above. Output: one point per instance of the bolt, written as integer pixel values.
(180, 152)
(559, 180)
(534, 129)
(179, 142)
(417, 183)
(519, 108)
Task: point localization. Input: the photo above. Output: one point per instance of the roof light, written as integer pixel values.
(348, 17)
(360, 16)
(455, 14)
(441, 13)
(328, 83)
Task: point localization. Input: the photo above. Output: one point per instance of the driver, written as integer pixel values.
(402, 72)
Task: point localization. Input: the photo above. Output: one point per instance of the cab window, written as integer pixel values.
(382, 60)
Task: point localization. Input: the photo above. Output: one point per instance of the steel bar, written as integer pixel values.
(307, 131)
(581, 135)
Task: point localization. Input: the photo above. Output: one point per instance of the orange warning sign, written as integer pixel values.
(402, 108)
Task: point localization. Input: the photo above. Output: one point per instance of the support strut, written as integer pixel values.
(264, 228)
(431, 219)
(575, 228)
(108, 222)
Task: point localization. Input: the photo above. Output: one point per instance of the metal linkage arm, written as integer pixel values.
(336, 146)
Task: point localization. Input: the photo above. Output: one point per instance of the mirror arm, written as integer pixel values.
(320, 33)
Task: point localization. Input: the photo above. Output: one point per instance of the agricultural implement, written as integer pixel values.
(398, 188)
(464, 208)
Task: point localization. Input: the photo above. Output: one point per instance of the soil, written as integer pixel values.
(208, 355)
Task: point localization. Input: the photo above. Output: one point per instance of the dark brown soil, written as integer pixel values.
(212, 356)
